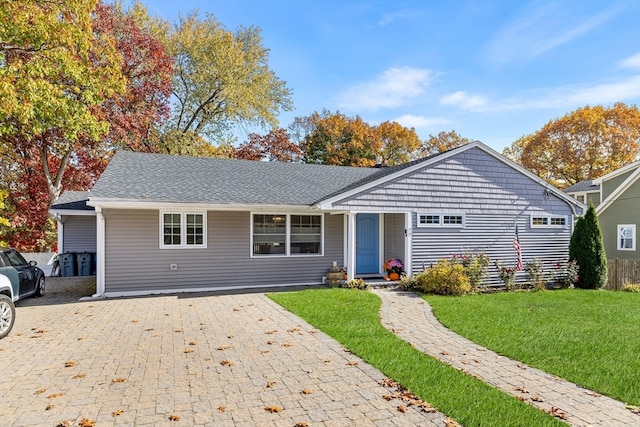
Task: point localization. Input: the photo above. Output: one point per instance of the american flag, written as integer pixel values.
(516, 246)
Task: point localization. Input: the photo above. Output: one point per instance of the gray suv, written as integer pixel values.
(18, 279)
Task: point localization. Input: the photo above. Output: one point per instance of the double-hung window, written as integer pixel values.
(627, 237)
(283, 234)
(183, 230)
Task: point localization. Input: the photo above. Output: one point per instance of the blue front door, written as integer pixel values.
(367, 244)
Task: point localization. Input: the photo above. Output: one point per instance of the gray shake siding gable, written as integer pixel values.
(489, 192)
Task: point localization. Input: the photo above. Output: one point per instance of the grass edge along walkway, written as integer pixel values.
(588, 337)
(352, 318)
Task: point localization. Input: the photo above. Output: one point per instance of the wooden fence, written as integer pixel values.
(621, 272)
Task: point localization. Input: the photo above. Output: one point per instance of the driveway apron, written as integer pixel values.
(411, 318)
(186, 359)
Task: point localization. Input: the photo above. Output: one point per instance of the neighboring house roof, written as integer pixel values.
(72, 201)
(586, 186)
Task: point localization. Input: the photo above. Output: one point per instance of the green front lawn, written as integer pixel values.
(351, 317)
(591, 338)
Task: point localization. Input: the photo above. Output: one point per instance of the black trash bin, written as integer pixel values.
(67, 264)
(84, 263)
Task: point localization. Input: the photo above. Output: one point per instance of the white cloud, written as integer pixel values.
(464, 101)
(393, 88)
(421, 122)
(539, 31)
(388, 18)
(630, 62)
(569, 97)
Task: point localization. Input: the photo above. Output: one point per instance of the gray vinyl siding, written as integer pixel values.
(79, 233)
(493, 235)
(492, 196)
(135, 263)
(394, 236)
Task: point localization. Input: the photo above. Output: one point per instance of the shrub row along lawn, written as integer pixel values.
(591, 338)
(351, 317)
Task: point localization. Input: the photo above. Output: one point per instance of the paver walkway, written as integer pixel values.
(412, 319)
(203, 359)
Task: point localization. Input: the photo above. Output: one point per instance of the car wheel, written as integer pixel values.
(40, 287)
(7, 315)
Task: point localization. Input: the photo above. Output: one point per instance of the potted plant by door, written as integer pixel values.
(394, 268)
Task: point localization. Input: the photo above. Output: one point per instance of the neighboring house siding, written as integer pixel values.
(624, 210)
(609, 186)
(394, 236)
(79, 233)
(135, 263)
(593, 198)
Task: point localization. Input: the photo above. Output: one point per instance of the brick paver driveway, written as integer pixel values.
(182, 360)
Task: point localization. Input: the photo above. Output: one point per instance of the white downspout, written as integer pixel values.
(100, 249)
(351, 245)
(60, 234)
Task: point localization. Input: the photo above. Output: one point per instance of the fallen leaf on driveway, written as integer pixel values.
(116, 413)
(522, 389)
(302, 424)
(451, 423)
(174, 417)
(537, 398)
(85, 422)
(118, 380)
(226, 363)
(69, 364)
(287, 345)
(270, 384)
(54, 395)
(189, 350)
(222, 408)
(352, 363)
(224, 347)
(306, 391)
(558, 413)
(40, 391)
(273, 409)
(78, 376)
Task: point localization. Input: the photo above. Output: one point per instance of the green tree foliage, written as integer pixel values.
(221, 78)
(584, 144)
(587, 249)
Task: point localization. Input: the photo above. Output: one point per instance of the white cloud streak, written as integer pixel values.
(393, 88)
(540, 31)
(631, 62)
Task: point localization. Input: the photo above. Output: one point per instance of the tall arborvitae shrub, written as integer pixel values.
(587, 249)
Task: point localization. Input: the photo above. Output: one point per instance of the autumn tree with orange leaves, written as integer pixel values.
(336, 139)
(584, 144)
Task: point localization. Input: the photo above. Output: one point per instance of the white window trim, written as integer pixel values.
(441, 223)
(548, 224)
(633, 237)
(183, 229)
(287, 252)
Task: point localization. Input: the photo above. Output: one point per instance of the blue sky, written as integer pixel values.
(490, 70)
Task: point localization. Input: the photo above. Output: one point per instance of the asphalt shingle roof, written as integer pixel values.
(582, 186)
(161, 177)
(73, 200)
